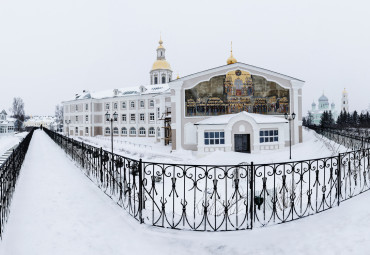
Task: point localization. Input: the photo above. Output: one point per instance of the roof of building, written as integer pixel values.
(3, 112)
(127, 91)
(237, 64)
(323, 98)
(224, 119)
(161, 64)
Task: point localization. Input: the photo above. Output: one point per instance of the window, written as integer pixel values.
(142, 104)
(107, 131)
(158, 113)
(163, 79)
(132, 104)
(132, 131)
(269, 136)
(151, 103)
(86, 130)
(155, 80)
(132, 117)
(76, 107)
(106, 106)
(124, 119)
(115, 131)
(107, 117)
(76, 118)
(211, 138)
(87, 118)
(141, 131)
(124, 131)
(115, 117)
(76, 129)
(115, 106)
(86, 107)
(158, 132)
(151, 131)
(151, 116)
(142, 117)
(123, 105)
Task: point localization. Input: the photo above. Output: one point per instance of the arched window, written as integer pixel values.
(107, 131)
(141, 131)
(163, 79)
(151, 131)
(158, 132)
(124, 131)
(155, 80)
(76, 130)
(115, 131)
(132, 131)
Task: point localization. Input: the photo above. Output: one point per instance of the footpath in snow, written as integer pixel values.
(57, 210)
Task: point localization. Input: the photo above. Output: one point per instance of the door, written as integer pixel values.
(242, 143)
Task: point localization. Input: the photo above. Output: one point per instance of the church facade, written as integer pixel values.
(235, 107)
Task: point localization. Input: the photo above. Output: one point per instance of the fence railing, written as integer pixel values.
(352, 139)
(9, 172)
(222, 198)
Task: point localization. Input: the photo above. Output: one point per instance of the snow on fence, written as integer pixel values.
(222, 198)
(9, 172)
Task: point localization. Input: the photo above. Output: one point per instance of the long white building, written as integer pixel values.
(235, 107)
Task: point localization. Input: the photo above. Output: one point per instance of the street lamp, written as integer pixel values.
(290, 118)
(108, 118)
(68, 122)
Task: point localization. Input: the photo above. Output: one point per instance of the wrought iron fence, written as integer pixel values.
(222, 198)
(352, 139)
(9, 172)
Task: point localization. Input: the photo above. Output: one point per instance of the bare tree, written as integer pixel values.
(59, 115)
(18, 108)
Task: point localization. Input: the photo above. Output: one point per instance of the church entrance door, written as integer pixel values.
(242, 143)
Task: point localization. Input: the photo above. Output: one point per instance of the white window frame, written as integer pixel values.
(142, 104)
(142, 117)
(124, 118)
(214, 138)
(132, 117)
(142, 131)
(107, 106)
(269, 135)
(151, 116)
(151, 131)
(132, 131)
(124, 131)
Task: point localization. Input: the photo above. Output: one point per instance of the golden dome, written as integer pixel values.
(345, 91)
(231, 59)
(161, 64)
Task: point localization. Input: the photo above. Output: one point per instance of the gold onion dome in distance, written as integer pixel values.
(161, 63)
(231, 59)
(345, 91)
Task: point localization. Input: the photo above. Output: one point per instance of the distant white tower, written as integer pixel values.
(344, 101)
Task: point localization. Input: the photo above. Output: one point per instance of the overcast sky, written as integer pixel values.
(51, 50)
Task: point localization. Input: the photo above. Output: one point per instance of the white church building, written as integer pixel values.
(234, 107)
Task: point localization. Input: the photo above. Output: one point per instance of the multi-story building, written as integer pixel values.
(235, 107)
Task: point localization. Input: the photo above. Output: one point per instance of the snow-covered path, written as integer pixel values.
(57, 210)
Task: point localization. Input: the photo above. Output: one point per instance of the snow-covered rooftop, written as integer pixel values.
(127, 91)
(224, 119)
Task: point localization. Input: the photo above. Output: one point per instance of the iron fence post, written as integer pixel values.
(83, 154)
(251, 185)
(141, 191)
(339, 179)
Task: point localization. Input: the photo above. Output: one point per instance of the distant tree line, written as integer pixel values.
(344, 120)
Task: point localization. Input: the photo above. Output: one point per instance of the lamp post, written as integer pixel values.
(68, 122)
(290, 118)
(108, 118)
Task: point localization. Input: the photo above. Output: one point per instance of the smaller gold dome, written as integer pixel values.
(231, 59)
(345, 91)
(161, 64)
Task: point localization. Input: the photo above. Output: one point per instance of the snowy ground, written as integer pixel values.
(57, 210)
(312, 147)
(7, 141)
